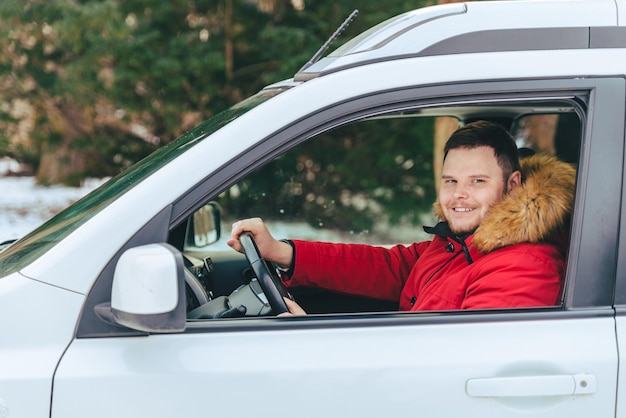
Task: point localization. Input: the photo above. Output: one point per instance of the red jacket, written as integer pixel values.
(515, 261)
(434, 275)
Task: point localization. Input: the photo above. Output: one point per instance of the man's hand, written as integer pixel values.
(294, 309)
(271, 249)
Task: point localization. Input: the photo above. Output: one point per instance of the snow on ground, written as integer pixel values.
(24, 205)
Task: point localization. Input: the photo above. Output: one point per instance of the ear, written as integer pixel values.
(439, 211)
(515, 179)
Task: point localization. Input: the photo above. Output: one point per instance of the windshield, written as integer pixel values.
(40, 240)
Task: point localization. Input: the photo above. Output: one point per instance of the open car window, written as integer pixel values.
(370, 181)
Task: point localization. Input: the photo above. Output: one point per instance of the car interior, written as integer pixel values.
(320, 190)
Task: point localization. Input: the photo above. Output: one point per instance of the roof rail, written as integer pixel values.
(475, 27)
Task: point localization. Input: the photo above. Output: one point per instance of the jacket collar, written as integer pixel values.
(443, 230)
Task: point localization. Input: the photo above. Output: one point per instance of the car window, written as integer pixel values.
(373, 181)
(556, 134)
(364, 182)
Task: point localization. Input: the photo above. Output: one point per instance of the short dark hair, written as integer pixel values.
(487, 134)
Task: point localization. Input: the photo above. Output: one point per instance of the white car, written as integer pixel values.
(127, 305)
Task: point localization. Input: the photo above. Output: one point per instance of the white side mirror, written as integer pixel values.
(148, 292)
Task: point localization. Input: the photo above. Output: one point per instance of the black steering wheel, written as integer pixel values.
(268, 278)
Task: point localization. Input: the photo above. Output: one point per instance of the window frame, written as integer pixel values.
(602, 137)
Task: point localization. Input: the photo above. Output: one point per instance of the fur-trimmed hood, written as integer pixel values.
(539, 210)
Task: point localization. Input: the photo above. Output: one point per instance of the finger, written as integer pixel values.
(235, 245)
(236, 230)
(294, 308)
(245, 225)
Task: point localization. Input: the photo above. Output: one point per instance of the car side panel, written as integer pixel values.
(36, 326)
(313, 368)
(621, 339)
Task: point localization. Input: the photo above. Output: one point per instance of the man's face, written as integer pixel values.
(471, 182)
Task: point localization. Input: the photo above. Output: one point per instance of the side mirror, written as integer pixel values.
(203, 227)
(148, 292)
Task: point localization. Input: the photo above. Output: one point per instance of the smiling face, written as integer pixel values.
(472, 181)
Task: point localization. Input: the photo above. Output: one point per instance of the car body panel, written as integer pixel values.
(35, 334)
(372, 371)
(620, 328)
(621, 12)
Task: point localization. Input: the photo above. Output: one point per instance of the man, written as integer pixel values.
(498, 244)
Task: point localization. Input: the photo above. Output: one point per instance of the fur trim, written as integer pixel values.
(539, 210)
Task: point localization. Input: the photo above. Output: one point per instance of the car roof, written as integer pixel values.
(474, 27)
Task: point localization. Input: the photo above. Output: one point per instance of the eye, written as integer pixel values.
(478, 181)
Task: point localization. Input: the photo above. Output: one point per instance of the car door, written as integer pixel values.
(549, 362)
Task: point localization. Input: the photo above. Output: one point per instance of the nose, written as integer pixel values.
(460, 191)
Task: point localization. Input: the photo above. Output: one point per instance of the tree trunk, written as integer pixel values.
(443, 128)
(61, 165)
(59, 162)
(228, 34)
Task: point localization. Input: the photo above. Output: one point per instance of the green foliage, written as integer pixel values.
(348, 179)
(54, 56)
(112, 80)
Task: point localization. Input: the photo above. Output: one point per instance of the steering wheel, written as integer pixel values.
(268, 278)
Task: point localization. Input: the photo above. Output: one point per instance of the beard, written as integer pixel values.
(463, 232)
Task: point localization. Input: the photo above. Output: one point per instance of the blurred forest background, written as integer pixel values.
(88, 87)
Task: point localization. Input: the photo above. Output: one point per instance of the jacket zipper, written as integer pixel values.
(414, 298)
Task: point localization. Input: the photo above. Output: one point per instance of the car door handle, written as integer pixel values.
(553, 385)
